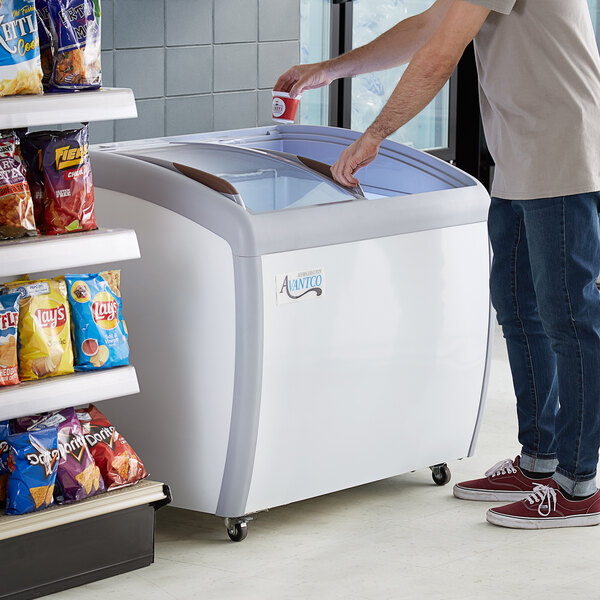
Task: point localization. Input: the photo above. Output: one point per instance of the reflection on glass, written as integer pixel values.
(315, 42)
(370, 92)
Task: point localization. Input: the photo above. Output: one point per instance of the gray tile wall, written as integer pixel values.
(195, 65)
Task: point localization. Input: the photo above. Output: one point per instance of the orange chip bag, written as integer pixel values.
(118, 463)
(44, 328)
(16, 204)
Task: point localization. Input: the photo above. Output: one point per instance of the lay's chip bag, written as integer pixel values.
(9, 323)
(44, 328)
(33, 462)
(100, 334)
(77, 477)
(4, 433)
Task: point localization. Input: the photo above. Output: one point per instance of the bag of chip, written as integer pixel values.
(44, 328)
(119, 464)
(32, 144)
(16, 205)
(33, 462)
(4, 433)
(43, 19)
(77, 477)
(75, 32)
(99, 332)
(21, 424)
(68, 184)
(9, 324)
(20, 68)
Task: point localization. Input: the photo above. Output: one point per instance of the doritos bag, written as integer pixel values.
(119, 464)
(9, 323)
(44, 328)
(75, 32)
(99, 331)
(16, 205)
(4, 433)
(77, 477)
(68, 184)
(21, 424)
(33, 462)
(20, 70)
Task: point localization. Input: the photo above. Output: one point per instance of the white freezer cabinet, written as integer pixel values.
(302, 338)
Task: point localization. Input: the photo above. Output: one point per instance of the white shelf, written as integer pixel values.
(51, 109)
(144, 492)
(55, 393)
(59, 252)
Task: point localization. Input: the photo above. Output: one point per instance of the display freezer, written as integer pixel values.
(294, 337)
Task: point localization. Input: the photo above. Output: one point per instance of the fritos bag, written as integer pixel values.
(20, 68)
(44, 328)
(33, 462)
(77, 477)
(68, 184)
(9, 324)
(75, 32)
(4, 433)
(119, 464)
(99, 332)
(16, 205)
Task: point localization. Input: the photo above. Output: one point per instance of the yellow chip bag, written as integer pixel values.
(44, 328)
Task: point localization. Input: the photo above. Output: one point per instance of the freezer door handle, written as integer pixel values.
(218, 184)
(325, 170)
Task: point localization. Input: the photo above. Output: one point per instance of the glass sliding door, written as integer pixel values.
(430, 130)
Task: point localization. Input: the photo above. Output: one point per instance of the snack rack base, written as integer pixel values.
(70, 545)
(112, 533)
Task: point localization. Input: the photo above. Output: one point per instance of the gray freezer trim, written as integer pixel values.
(247, 388)
(487, 369)
(290, 229)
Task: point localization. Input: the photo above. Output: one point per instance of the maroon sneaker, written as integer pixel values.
(546, 507)
(504, 482)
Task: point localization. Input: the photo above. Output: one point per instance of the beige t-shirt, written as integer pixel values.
(539, 78)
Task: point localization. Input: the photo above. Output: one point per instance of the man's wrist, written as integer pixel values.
(376, 133)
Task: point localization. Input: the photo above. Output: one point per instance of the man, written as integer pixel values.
(539, 74)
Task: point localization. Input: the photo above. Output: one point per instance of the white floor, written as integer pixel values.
(403, 538)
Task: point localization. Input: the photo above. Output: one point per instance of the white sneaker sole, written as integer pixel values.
(487, 496)
(543, 522)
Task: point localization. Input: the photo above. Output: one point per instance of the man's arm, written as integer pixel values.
(426, 74)
(392, 48)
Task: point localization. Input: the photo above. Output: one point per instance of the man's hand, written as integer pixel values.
(359, 154)
(303, 77)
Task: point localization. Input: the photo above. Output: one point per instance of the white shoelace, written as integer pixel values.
(501, 468)
(542, 494)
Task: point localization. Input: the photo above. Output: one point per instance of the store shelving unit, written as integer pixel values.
(65, 546)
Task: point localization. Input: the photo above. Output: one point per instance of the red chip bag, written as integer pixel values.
(68, 184)
(118, 463)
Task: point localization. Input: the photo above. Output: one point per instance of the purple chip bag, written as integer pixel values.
(78, 477)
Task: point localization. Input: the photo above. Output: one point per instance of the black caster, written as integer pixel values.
(440, 474)
(237, 529)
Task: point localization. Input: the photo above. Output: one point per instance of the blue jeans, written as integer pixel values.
(543, 287)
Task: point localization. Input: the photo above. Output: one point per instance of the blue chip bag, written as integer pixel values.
(33, 462)
(4, 433)
(100, 334)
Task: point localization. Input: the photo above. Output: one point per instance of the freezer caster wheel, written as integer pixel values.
(236, 530)
(440, 474)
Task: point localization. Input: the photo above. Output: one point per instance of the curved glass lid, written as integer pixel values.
(264, 182)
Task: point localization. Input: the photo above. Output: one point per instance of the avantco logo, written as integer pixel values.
(302, 285)
(105, 311)
(52, 317)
